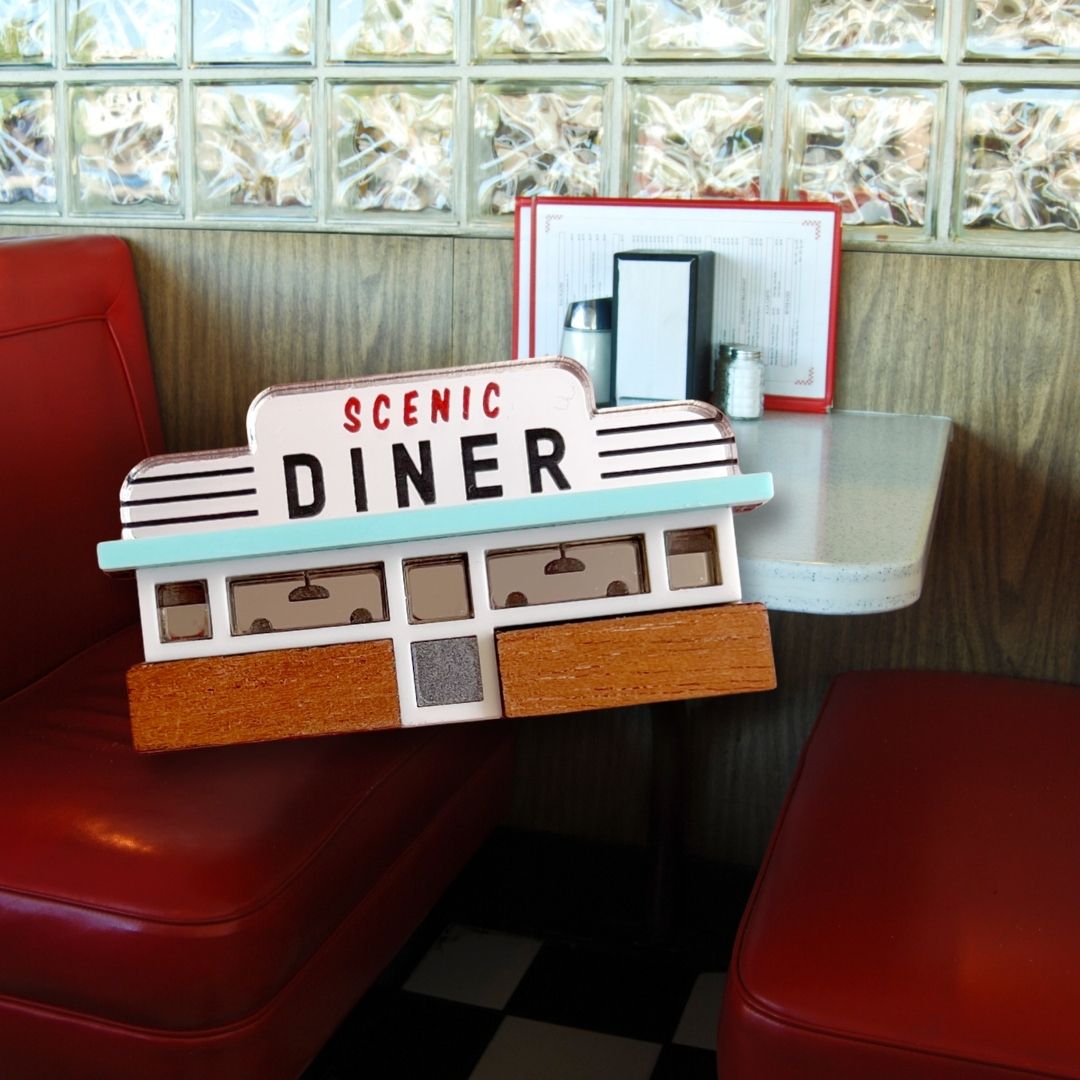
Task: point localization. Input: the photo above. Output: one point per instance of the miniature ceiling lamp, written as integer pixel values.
(564, 564)
(307, 591)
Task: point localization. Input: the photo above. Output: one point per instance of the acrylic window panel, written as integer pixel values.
(540, 29)
(27, 147)
(438, 588)
(869, 149)
(392, 148)
(391, 30)
(1020, 163)
(26, 31)
(695, 141)
(692, 559)
(124, 148)
(122, 31)
(251, 31)
(699, 29)
(253, 149)
(183, 611)
(336, 596)
(557, 573)
(1024, 29)
(868, 29)
(536, 139)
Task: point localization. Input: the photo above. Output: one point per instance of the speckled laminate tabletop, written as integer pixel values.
(848, 530)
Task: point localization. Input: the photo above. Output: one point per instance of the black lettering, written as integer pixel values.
(297, 509)
(405, 470)
(548, 462)
(470, 466)
(359, 481)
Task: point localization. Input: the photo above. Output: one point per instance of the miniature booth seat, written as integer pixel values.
(205, 914)
(916, 915)
(434, 547)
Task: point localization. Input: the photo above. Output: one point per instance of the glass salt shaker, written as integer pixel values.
(739, 387)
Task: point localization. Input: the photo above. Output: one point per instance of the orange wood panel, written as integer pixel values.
(630, 660)
(255, 697)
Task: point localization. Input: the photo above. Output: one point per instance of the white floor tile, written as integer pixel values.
(478, 967)
(697, 1027)
(530, 1050)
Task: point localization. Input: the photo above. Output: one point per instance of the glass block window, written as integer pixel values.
(391, 30)
(251, 31)
(254, 152)
(124, 152)
(699, 29)
(855, 30)
(27, 146)
(26, 31)
(1020, 161)
(536, 139)
(122, 31)
(871, 150)
(1015, 30)
(539, 29)
(392, 148)
(934, 127)
(695, 140)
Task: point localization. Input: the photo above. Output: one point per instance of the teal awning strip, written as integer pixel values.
(433, 522)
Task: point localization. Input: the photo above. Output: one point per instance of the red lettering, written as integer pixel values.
(491, 391)
(380, 421)
(410, 408)
(440, 404)
(466, 393)
(352, 415)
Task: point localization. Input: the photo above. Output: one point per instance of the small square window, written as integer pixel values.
(183, 611)
(438, 589)
(692, 562)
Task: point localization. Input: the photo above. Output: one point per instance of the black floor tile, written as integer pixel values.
(685, 1063)
(396, 1035)
(637, 995)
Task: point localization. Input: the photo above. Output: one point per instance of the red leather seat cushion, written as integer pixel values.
(184, 891)
(79, 412)
(917, 913)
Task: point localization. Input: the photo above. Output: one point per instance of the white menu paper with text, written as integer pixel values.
(776, 276)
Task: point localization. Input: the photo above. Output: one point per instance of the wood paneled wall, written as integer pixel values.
(993, 343)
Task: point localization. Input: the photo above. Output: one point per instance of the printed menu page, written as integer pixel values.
(775, 279)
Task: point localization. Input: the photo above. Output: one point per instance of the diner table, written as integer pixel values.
(847, 532)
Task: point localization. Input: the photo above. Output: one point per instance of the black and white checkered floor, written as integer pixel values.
(504, 985)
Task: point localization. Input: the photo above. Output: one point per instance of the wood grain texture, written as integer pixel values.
(483, 271)
(607, 663)
(256, 697)
(991, 342)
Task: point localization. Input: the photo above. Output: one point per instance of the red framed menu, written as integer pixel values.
(777, 276)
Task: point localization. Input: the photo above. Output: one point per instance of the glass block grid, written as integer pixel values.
(933, 126)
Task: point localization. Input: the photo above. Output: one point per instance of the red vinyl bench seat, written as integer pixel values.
(203, 914)
(917, 916)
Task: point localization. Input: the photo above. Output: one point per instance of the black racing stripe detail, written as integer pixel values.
(192, 475)
(668, 446)
(188, 520)
(189, 498)
(662, 424)
(668, 468)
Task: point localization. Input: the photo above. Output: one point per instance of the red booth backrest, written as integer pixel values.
(79, 410)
